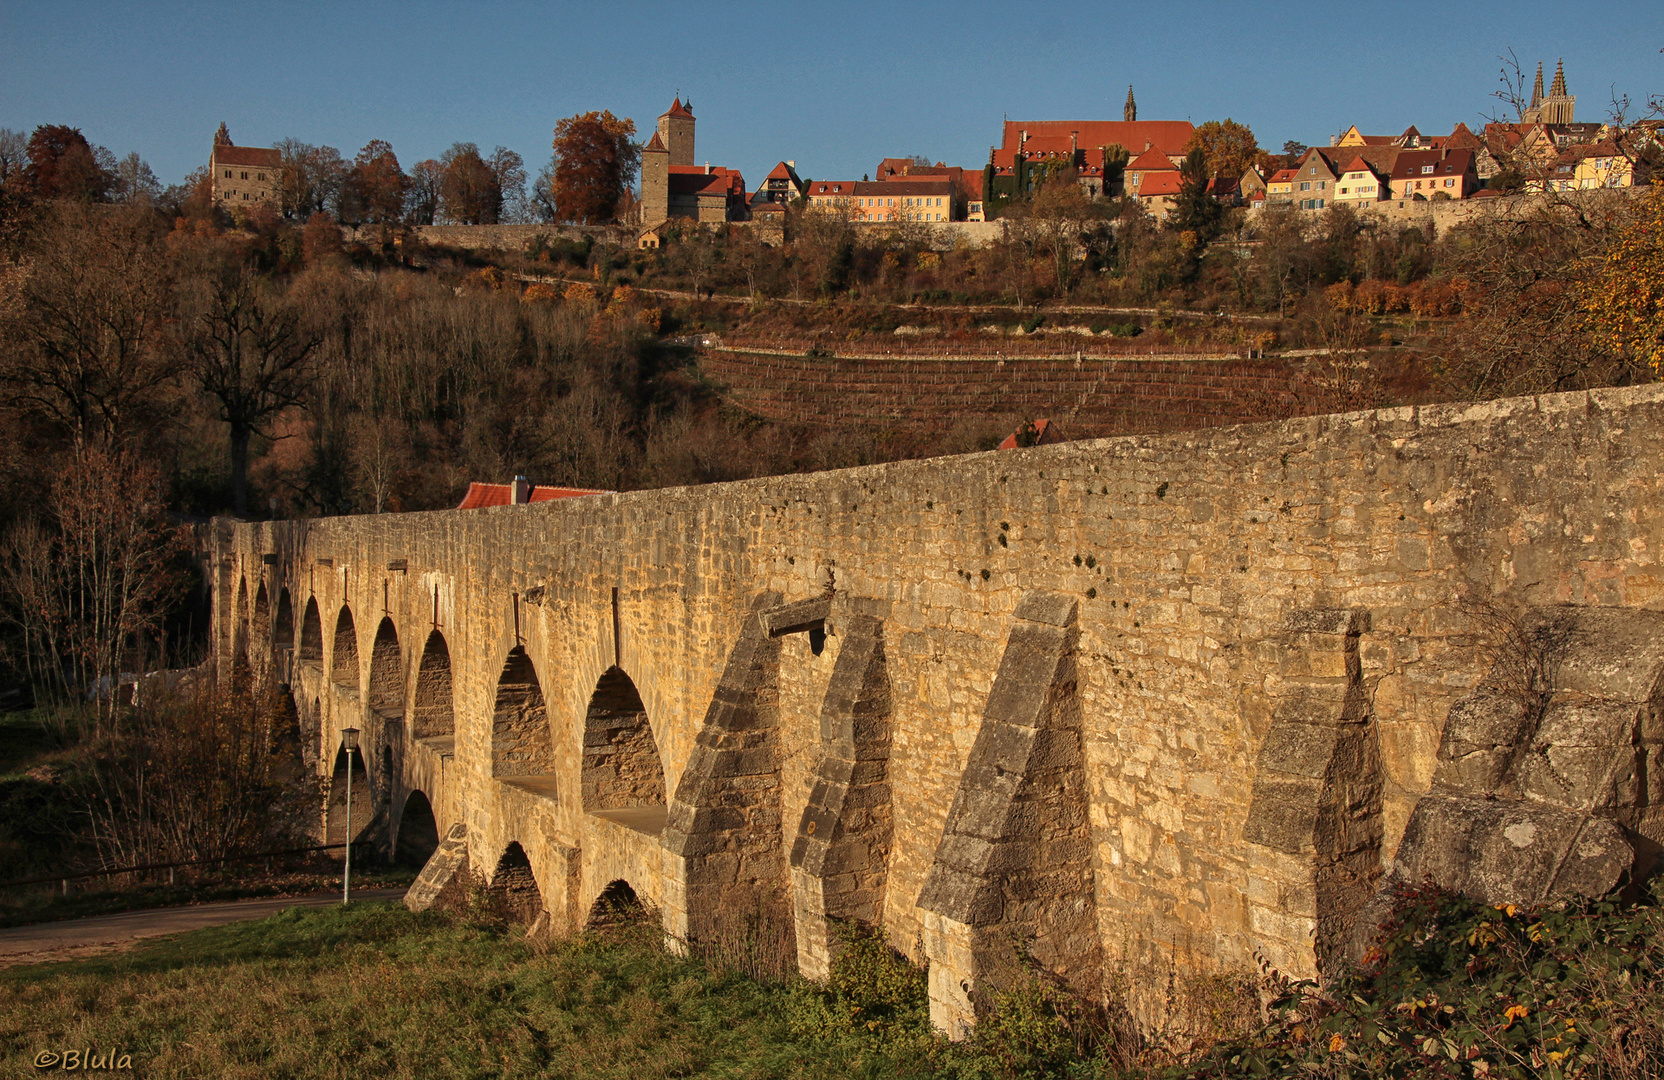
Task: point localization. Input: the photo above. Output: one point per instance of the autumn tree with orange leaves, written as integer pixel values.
(1621, 305)
(595, 163)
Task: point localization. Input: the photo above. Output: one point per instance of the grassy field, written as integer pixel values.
(1457, 990)
(374, 990)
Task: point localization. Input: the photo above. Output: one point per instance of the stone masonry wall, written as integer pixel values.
(1205, 569)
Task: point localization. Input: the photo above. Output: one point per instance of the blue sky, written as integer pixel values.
(835, 86)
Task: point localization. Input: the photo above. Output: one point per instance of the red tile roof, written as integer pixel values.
(1445, 163)
(1136, 135)
(1283, 176)
(655, 143)
(482, 495)
(1151, 160)
(678, 109)
(1045, 433)
(1159, 183)
(259, 157)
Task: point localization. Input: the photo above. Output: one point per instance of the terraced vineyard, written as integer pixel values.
(1089, 396)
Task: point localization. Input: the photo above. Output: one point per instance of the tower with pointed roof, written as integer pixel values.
(1559, 107)
(676, 131)
(1130, 112)
(655, 181)
(1555, 107)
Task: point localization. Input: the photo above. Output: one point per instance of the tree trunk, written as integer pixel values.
(239, 469)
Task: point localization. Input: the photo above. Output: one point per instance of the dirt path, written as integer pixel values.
(74, 939)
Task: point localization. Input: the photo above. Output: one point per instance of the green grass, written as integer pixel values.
(374, 990)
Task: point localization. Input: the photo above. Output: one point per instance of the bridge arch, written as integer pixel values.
(418, 831)
(262, 616)
(617, 905)
(521, 745)
(337, 829)
(622, 768)
(241, 671)
(283, 626)
(343, 666)
(312, 634)
(433, 713)
(515, 886)
(387, 672)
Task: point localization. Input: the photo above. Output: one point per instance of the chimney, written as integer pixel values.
(707, 168)
(1022, 140)
(1073, 139)
(791, 165)
(522, 491)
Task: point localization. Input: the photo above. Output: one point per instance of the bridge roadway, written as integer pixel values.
(1136, 703)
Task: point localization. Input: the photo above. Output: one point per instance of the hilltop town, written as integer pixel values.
(1545, 149)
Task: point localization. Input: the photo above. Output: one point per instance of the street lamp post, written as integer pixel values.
(349, 740)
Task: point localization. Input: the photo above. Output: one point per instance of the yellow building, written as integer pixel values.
(1359, 183)
(1600, 165)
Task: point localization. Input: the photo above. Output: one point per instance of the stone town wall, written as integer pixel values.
(1188, 587)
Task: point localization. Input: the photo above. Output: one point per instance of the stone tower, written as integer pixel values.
(655, 179)
(1130, 112)
(676, 132)
(1536, 95)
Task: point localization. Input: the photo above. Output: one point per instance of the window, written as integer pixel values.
(1320, 186)
(228, 174)
(1427, 168)
(1305, 185)
(262, 176)
(244, 175)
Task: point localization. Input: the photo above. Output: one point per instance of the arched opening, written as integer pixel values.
(514, 888)
(621, 769)
(343, 668)
(283, 629)
(262, 615)
(241, 673)
(311, 733)
(285, 736)
(311, 634)
(363, 802)
(387, 673)
(617, 905)
(433, 715)
(418, 831)
(521, 748)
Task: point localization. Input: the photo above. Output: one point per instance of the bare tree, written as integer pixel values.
(250, 352)
(89, 585)
(81, 343)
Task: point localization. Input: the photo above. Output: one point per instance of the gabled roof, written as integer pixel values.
(483, 495)
(1282, 176)
(257, 156)
(1045, 433)
(1358, 164)
(655, 145)
(1136, 135)
(783, 171)
(1151, 160)
(1461, 137)
(1160, 183)
(1445, 163)
(678, 109)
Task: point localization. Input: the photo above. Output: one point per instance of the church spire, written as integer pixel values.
(1130, 113)
(1559, 88)
(1537, 91)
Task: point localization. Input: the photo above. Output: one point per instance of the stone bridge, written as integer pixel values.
(1140, 704)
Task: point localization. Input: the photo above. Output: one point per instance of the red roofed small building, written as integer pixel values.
(1038, 433)
(245, 175)
(521, 491)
